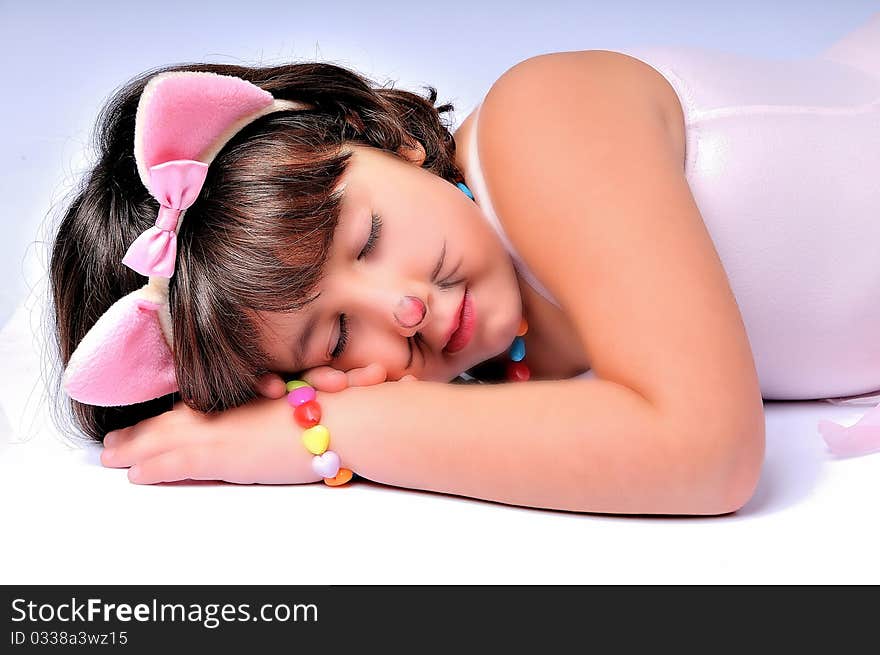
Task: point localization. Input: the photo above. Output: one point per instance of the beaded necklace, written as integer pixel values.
(516, 370)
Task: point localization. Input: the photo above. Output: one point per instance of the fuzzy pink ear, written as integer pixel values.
(124, 359)
(191, 115)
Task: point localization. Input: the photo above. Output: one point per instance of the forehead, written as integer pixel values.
(366, 163)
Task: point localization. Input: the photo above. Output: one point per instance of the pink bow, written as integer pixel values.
(175, 184)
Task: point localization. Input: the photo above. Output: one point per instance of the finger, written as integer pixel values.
(271, 385)
(326, 378)
(121, 436)
(373, 373)
(115, 437)
(192, 462)
(138, 446)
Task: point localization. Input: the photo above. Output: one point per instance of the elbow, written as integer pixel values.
(737, 467)
(728, 471)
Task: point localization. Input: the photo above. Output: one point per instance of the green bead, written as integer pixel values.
(296, 384)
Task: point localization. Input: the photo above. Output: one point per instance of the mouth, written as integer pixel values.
(463, 326)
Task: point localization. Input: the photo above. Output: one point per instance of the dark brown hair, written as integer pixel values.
(256, 239)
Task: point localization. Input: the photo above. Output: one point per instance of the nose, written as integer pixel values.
(388, 300)
(410, 312)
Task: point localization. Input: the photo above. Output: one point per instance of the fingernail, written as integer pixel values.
(134, 474)
(109, 438)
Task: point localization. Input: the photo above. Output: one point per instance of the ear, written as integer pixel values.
(124, 358)
(414, 153)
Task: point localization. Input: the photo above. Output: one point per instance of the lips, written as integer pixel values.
(462, 334)
(456, 320)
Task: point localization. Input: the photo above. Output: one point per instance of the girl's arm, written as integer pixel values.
(582, 444)
(585, 445)
(588, 174)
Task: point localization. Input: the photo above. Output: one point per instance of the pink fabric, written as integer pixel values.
(185, 114)
(176, 185)
(182, 120)
(859, 439)
(124, 358)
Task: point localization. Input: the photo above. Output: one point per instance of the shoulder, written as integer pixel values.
(590, 78)
(580, 156)
(583, 76)
(529, 92)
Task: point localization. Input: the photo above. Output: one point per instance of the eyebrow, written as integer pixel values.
(440, 262)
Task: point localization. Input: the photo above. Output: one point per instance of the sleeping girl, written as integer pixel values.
(272, 275)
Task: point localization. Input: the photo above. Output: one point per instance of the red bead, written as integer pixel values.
(518, 372)
(308, 414)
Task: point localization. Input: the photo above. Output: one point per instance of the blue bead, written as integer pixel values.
(518, 349)
(463, 187)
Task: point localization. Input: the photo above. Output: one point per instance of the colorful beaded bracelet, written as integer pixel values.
(315, 437)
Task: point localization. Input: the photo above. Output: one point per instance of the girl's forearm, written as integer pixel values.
(581, 444)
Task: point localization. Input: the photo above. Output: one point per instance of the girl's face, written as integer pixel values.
(369, 292)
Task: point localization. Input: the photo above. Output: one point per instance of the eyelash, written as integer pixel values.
(343, 338)
(443, 284)
(375, 232)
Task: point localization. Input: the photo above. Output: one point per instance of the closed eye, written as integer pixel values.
(375, 231)
(372, 240)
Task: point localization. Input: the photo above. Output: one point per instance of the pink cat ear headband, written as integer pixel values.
(183, 120)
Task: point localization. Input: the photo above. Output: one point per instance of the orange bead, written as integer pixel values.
(343, 476)
(308, 414)
(523, 327)
(518, 372)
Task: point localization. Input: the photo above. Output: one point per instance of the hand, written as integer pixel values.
(327, 378)
(254, 443)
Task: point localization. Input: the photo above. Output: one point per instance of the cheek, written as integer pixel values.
(374, 350)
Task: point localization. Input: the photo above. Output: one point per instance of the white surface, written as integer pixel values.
(67, 519)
